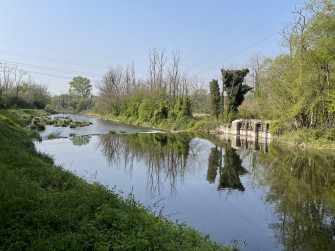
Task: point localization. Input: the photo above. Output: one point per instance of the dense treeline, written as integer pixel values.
(298, 87)
(17, 89)
(165, 95)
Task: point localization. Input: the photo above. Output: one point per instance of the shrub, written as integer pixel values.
(146, 110)
(82, 105)
(161, 114)
(276, 128)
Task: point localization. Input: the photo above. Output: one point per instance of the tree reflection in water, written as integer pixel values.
(80, 140)
(302, 186)
(165, 156)
(229, 169)
(299, 184)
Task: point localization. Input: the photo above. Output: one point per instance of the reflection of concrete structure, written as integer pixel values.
(249, 128)
(243, 142)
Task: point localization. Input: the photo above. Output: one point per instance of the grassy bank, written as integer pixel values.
(199, 122)
(44, 207)
(309, 138)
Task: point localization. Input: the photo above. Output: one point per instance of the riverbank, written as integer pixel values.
(307, 139)
(200, 123)
(302, 138)
(44, 207)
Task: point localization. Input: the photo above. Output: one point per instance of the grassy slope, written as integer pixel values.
(44, 207)
(307, 138)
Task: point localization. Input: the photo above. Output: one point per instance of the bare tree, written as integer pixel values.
(18, 76)
(157, 61)
(174, 74)
(6, 76)
(256, 66)
(131, 84)
(112, 89)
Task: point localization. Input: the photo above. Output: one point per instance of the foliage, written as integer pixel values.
(276, 128)
(214, 90)
(18, 90)
(82, 105)
(146, 110)
(234, 88)
(80, 87)
(297, 87)
(71, 104)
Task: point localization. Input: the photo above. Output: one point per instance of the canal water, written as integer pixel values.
(244, 193)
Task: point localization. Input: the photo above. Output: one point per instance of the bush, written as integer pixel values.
(82, 105)
(111, 131)
(161, 114)
(146, 110)
(276, 128)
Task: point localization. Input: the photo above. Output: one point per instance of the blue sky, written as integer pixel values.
(57, 40)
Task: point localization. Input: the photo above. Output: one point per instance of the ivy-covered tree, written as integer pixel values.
(234, 88)
(215, 97)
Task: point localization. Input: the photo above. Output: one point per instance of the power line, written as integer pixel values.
(51, 69)
(50, 75)
(50, 59)
(222, 32)
(238, 53)
(44, 48)
(246, 35)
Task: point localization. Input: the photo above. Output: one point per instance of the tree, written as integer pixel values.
(215, 97)
(80, 87)
(18, 81)
(234, 88)
(298, 85)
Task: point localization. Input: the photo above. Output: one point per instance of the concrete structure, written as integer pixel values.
(249, 128)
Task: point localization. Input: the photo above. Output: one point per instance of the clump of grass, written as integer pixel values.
(52, 136)
(111, 131)
(40, 127)
(121, 132)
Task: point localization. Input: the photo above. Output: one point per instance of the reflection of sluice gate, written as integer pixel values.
(243, 142)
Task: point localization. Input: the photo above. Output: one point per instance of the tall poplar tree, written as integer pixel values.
(215, 97)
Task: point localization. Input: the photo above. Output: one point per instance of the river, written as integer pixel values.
(247, 194)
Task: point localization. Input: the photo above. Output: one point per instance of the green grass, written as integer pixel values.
(309, 138)
(44, 207)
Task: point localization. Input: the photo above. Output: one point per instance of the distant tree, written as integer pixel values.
(80, 87)
(234, 88)
(215, 97)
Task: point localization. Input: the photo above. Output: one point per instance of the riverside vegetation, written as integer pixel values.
(44, 207)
